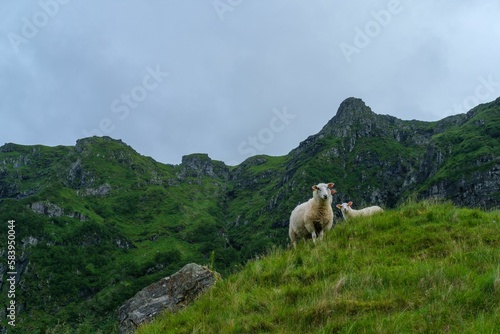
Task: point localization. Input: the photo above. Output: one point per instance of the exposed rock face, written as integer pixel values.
(198, 165)
(101, 191)
(53, 210)
(49, 209)
(473, 191)
(170, 293)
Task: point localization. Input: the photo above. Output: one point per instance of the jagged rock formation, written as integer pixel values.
(200, 165)
(53, 210)
(170, 293)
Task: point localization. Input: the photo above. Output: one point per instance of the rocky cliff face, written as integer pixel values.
(462, 162)
(200, 165)
(456, 158)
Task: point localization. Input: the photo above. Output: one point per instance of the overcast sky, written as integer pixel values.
(233, 78)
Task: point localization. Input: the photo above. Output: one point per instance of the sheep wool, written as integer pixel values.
(312, 218)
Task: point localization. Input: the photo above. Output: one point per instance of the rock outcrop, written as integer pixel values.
(199, 164)
(171, 293)
(53, 210)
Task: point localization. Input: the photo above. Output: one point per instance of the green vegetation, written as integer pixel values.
(85, 258)
(422, 268)
(477, 139)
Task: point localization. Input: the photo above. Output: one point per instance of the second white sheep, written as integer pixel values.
(349, 212)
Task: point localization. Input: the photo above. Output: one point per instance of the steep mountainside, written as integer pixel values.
(98, 221)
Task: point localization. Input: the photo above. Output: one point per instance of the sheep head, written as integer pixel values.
(323, 191)
(344, 207)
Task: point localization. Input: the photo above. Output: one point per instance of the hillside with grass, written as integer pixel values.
(98, 221)
(423, 267)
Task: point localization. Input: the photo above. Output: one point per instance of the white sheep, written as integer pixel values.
(349, 212)
(314, 217)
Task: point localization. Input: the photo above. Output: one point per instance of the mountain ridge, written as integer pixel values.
(107, 220)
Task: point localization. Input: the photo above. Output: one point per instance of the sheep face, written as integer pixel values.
(323, 191)
(344, 207)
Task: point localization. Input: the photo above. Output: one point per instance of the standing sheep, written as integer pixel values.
(313, 217)
(348, 211)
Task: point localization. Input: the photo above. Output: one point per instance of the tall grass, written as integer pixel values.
(423, 268)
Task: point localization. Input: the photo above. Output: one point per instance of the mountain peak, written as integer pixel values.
(200, 164)
(98, 140)
(9, 147)
(351, 111)
(352, 108)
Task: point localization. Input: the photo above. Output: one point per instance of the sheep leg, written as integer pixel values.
(314, 236)
(293, 237)
(311, 229)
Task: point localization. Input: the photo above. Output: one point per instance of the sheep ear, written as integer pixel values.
(350, 203)
(314, 187)
(331, 185)
(333, 191)
(339, 206)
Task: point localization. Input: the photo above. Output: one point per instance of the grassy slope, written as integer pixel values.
(422, 268)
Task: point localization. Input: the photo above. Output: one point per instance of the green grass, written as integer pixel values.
(422, 268)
